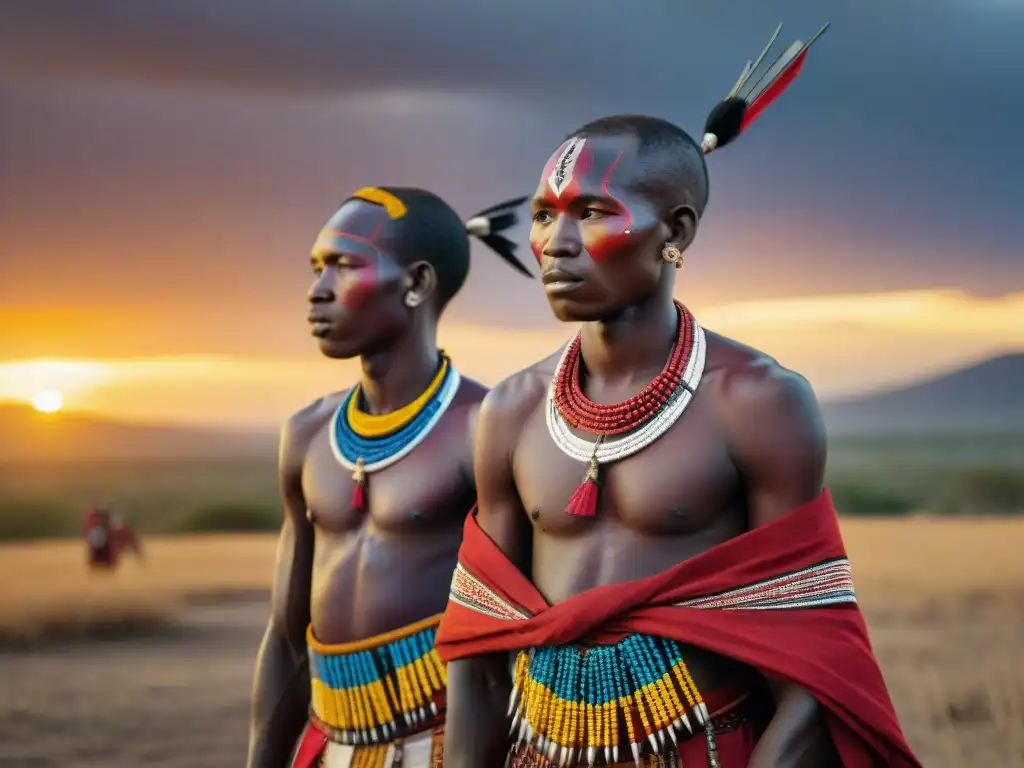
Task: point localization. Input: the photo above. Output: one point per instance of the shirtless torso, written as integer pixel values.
(749, 447)
(709, 479)
(388, 566)
(375, 496)
(352, 575)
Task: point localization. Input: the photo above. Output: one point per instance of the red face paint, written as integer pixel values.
(348, 245)
(610, 233)
(357, 279)
(577, 190)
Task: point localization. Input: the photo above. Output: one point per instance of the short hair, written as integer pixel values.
(431, 230)
(672, 163)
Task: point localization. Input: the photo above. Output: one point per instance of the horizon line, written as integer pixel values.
(100, 415)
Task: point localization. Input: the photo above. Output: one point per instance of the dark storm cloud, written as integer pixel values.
(345, 46)
(573, 47)
(208, 205)
(210, 138)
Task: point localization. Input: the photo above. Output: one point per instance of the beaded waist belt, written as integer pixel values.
(379, 689)
(575, 703)
(732, 717)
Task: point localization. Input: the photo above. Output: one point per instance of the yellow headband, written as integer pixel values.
(396, 208)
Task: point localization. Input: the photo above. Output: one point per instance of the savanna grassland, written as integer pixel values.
(152, 664)
(868, 476)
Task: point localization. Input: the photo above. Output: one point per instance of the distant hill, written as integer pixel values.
(29, 436)
(985, 398)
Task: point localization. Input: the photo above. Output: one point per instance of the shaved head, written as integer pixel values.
(669, 167)
(428, 230)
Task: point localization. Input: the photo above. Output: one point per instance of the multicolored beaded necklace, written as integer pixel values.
(625, 428)
(640, 689)
(366, 443)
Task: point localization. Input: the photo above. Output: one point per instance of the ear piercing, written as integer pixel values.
(672, 255)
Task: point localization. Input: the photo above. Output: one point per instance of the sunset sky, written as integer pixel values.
(165, 166)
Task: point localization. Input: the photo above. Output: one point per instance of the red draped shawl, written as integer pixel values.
(779, 598)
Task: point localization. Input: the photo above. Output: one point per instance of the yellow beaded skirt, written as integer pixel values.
(377, 690)
(574, 705)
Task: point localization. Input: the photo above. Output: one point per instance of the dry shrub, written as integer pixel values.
(857, 496)
(25, 519)
(983, 490)
(228, 517)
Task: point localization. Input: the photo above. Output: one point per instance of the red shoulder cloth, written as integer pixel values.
(779, 597)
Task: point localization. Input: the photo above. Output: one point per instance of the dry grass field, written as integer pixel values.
(944, 598)
(58, 598)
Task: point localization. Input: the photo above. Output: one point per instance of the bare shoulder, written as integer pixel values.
(466, 411)
(516, 396)
(471, 393)
(506, 410)
(466, 405)
(773, 426)
(300, 428)
(760, 402)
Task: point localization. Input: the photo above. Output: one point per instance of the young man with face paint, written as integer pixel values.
(653, 545)
(377, 480)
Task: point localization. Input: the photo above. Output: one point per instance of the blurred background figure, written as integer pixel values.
(107, 535)
(163, 164)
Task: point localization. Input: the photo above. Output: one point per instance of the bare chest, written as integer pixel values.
(678, 485)
(424, 490)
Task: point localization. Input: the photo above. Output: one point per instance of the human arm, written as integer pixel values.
(466, 455)
(777, 438)
(280, 698)
(478, 687)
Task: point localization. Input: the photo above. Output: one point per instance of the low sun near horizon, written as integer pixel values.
(47, 401)
(845, 344)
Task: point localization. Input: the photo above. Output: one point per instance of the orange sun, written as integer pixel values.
(47, 401)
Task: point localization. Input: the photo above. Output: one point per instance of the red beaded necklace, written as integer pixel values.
(581, 412)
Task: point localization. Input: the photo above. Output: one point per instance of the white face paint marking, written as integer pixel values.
(561, 174)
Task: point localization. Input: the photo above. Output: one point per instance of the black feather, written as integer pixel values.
(503, 221)
(500, 207)
(507, 250)
(725, 120)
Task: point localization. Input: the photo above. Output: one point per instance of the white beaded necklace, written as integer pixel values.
(615, 448)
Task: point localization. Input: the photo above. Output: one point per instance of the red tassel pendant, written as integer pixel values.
(359, 489)
(584, 502)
